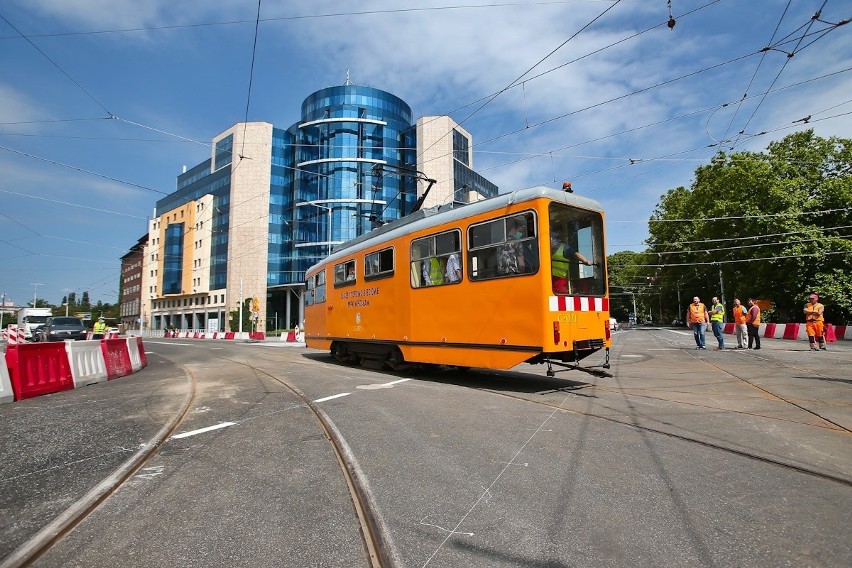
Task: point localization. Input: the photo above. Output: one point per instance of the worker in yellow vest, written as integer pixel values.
(99, 329)
(717, 319)
(698, 318)
(815, 322)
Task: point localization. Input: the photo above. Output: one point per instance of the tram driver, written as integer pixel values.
(561, 255)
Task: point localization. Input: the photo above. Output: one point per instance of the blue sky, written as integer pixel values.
(598, 92)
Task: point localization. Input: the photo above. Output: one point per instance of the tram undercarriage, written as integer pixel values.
(388, 355)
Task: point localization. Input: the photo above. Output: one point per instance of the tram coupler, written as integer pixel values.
(569, 367)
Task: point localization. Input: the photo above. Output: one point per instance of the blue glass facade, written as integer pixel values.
(173, 259)
(281, 262)
(345, 167)
(340, 175)
(191, 186)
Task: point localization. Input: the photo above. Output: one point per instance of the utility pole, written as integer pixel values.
(722, 289)
(35, 291)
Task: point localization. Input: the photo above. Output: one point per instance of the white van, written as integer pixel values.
(31, 318)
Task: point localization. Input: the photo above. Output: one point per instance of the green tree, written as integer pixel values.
(84, 302)
(784, 233)
(234, 323)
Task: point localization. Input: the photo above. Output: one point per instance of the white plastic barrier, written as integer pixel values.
(133, 350)
(87, 362)
(6, 393)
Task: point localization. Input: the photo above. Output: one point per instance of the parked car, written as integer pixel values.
(613, 324)
(62, 328)
(38, 333)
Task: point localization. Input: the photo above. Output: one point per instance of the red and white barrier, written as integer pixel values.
(796, 331)
(6, 392)
(14, 334)
(38, 368)
(87, 362)
(34, 369)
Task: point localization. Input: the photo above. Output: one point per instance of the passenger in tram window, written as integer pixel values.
(350, 273)
(561, 254)
(433, 272)
(510, 257)
(454, 271)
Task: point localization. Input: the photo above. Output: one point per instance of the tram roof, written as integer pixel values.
(447, 214)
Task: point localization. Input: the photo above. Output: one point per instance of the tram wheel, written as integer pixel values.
(340, 353)
(396, 361)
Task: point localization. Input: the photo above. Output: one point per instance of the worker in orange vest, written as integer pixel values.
(698, 319)
(815, 322)
(753, 323)
(740, 323)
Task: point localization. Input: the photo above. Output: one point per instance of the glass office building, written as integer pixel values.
(251, 228)
(345, 168)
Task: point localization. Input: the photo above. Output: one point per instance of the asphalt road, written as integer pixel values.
(680, 458)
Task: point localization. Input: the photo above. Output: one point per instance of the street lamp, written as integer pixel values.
(66, 308)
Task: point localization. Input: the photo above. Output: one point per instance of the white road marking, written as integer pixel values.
(203, 430)
(382, 385)
(332, 397)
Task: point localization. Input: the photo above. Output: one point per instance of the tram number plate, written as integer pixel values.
(567, 318)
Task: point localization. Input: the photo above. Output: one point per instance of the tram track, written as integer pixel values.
(761, 389)
(376, 544)
(681, 437)
(40, 544)
(376, 547)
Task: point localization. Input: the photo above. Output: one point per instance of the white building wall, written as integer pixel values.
(435, 156)
(248, 238)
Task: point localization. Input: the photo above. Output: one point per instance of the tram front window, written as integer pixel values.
(577, 258)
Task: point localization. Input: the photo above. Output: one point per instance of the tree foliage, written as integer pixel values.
(775, 225)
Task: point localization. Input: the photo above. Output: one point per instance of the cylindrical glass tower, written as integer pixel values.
(353, 147)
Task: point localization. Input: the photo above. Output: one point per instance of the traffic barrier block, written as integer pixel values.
(229, 335)
(117, 358)
(770, 330)
(729, 328)
(830, 335)
(6, 393)
(142, 356)
(87, 362)
(257, 335)
(133, 353)
(291, 336)
(195, 335)
(39, 368)
(791, 331)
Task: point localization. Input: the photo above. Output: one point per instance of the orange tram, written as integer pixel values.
(517, 278)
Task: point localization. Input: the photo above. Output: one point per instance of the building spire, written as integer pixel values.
(347, 78)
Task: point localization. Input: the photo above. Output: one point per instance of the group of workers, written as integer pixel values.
(747, 322)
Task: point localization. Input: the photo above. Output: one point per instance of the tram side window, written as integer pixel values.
(378, 264)
(344, 273)
(576, 251)
(502, 247)
(315, 289)
(319, 295)
(310, 285)
(436, 260)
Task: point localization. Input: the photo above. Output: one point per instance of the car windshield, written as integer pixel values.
(66, 323)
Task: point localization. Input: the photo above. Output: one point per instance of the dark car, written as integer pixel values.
(62, 328)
